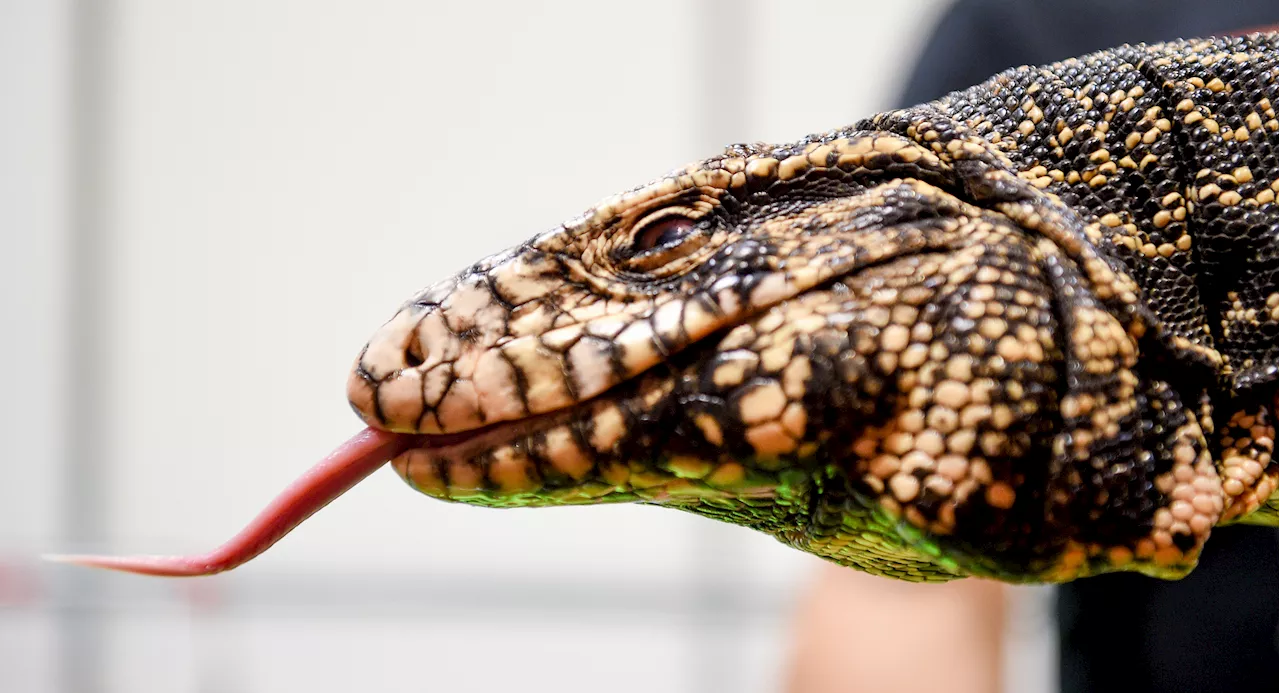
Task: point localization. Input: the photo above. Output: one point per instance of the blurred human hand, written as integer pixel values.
(860, 632)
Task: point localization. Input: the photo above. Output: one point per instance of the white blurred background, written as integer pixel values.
(207, 207)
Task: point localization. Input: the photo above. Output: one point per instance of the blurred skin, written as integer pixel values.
(860, 632)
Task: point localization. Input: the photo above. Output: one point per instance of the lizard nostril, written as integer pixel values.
(413, 353)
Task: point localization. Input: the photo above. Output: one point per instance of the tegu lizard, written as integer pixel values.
(1027, 331)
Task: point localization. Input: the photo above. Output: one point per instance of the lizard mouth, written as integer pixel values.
(348, 464)
(475, 439)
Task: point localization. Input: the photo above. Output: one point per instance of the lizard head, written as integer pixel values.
(871, 348)
(675, 344)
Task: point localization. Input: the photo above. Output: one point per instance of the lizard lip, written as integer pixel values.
(464, 442)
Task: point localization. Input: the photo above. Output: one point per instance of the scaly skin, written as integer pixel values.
(1026, 332)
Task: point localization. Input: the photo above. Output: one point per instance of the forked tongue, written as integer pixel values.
(331, 477)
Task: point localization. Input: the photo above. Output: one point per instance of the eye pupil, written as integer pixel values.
(663, 233)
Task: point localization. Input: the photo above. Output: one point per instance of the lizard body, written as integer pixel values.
(1027, 331)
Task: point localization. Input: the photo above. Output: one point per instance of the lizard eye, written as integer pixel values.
(664, 242)
(666, 232)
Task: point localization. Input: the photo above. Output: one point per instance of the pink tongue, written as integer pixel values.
(331, 477)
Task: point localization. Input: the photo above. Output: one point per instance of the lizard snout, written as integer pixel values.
(385, 383)
(414, 374)
(457, 356)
